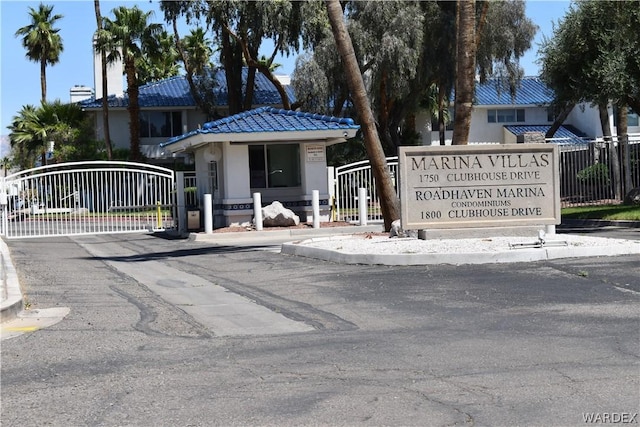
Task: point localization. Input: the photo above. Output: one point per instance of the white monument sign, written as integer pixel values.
(479, 186)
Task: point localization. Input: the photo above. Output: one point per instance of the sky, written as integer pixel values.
(20, 78)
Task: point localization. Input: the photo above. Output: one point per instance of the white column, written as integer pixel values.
(315, 205)
(208, 214)
(362, 205)
(257, 210)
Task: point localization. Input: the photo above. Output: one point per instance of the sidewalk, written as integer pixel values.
(11, 294)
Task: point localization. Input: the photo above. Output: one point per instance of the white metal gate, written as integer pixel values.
(348, 179)
(87, 198)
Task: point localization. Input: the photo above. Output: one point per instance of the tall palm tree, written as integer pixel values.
(42, 41)
(389, 203)
(466, 47)
(128, 36)
(105, 100)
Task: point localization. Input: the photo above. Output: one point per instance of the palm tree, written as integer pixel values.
(389, 203)
(466, 47)
(105, 100)
(127, 37)
(42, 41)
(28, 136)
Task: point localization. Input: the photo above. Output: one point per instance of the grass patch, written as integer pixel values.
(606, 212)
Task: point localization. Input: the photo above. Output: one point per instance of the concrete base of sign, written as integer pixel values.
(371, 250)
(485, 232)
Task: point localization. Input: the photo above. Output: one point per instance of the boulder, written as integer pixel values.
(633, 197)
(276, 215)
(396, 229)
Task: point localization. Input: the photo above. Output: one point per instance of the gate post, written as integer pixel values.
(4, 205)
(181, 209)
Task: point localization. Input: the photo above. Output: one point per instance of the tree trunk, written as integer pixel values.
(105, 100)
(465, 70)
(231, 58)
(43, 79)
(613, 152)
(559, 120)
(442, 129)
(389, 203)
(134, 109)
(623, 143)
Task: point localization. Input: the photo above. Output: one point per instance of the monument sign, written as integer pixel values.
(479, 186)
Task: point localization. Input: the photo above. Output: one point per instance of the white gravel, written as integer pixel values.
(383, 245)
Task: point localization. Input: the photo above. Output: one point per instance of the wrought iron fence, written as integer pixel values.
(596, 172)
(599, 172)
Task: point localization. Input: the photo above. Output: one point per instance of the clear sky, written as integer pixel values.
(20, 78)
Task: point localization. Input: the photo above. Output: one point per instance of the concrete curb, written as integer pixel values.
(12, 300)
(293, 233)
(515, 255)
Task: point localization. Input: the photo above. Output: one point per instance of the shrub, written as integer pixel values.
(594, 174)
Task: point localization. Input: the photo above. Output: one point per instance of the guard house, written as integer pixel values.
(279, 153)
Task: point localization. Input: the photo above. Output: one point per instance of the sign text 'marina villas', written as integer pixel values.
(479, 186)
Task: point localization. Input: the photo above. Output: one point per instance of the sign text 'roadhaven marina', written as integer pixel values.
(479, 186)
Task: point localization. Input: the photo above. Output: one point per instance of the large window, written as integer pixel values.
(160, 124)
(273, 166)
(507, 115)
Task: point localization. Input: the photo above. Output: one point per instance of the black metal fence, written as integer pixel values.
(599, 172)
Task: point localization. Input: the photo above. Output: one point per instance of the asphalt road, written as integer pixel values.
(552, 343)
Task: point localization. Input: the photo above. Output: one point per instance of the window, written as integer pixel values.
(160, 124)
(508, 115)
(274, 166)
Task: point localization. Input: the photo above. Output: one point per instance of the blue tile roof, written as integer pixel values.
(174, 92)
(269, 119)
(531, 91)
(564, 135)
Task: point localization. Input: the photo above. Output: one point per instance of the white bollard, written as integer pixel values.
(208, 214)
(362, 206)
(315, 205)
(257, 210)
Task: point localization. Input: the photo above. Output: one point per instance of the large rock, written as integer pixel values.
(276, 215)
(633, 197)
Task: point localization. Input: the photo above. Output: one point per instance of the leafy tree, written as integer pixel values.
(195, 52)
(65, 126)
(586, 61)
(406, 50)
(241, 26)
(127, 37)
(104, 83)
(42, 41)
(153, 68)
(389, 203)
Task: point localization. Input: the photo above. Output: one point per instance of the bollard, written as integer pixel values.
(257, 210)
(158, 216)
(315, 205)
(362, 206)
(208, 214)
